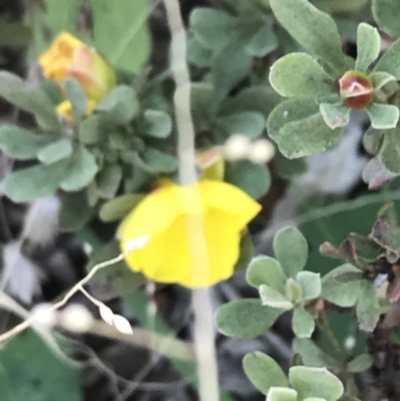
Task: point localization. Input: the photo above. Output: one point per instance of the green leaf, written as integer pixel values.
(61, 21)
(389, 153)
(264, 372)
(383, 116)
(310, 284)
(368, 46)
(81, 170)
(198, 54)
(289, 169)
(77, 97)
(380, 79)
(158, 123)
(229, 67)
(55, 151)
(291, 250)
(108, 180)
(282, 394)
(121, 104)
(342, 293)
(246, 318)
(266, 270)
(317, 32)
(75, 211)
(302, 323)
(126, 39)
(390, 61)
(368, 309)
(312, 355)
(246, 250)
(387, 13)
(34, 182)
(298, 128)
(159, 161)
(263, 42)
(21, 143)
(112, 283)
(293, 292)
(315, 382)
(247, 123)
(89, 130)
(254, 179)
(212, 27)
(33, 100)
(335, 115)
(273, 298)
(35, 374)
(298, 74)
(360, 363)
(119, 207)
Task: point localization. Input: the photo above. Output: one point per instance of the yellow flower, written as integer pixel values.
(69, 57)
(192, 233)
(65, 108)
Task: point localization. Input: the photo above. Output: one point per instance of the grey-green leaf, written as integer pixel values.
(315, 382)
(55, 151)
(302, 323)
(108, 180)
(266, 270)
(299, 129)
(119, 207)
(282, 394)
(298, 74)
(264, 372)
(389, 153)
(77, 98)
(33, 100)
(383, 116)
(158, 123)
(368, 46)
(390, 61)
(335, 115)
(387, 14)
(159, 161)
(248, 123)
(246, 318)
(34, 182)
(21, 143)
(310, 284)
(274, 298)
(360, 363)
(81, 170)
(291, 250)
(342, 293)
(317, 32)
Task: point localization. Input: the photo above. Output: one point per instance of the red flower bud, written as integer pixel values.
(355, 88)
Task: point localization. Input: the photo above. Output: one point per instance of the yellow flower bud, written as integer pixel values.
(65, 109)
(69, 57)
(188, 235)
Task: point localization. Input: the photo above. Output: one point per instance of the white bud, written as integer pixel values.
(261, 151)
(122, 324)
(237, 147)
(106, 314)
(76, 318)
(43, 315)
(349, 343)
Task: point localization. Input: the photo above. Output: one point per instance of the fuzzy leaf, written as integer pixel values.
(246, 318)
(389, 153)
(291, 250)
(317, 33)
(77, 97)
(281, 394)
(390, 61)
(368, 46)
(274, 298)
(335, 115)
(315, 382)
(266, 270)
(158, 123)
(360, 363)
(387, 14)
(264, 372)
(21, 143)
(159, 161)
(302, 323)
(247, 123)
(119, 207)
(126, 41)
(298, 74)
(299, 129)
(383, 116)
(310, 284)
(55, 151)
